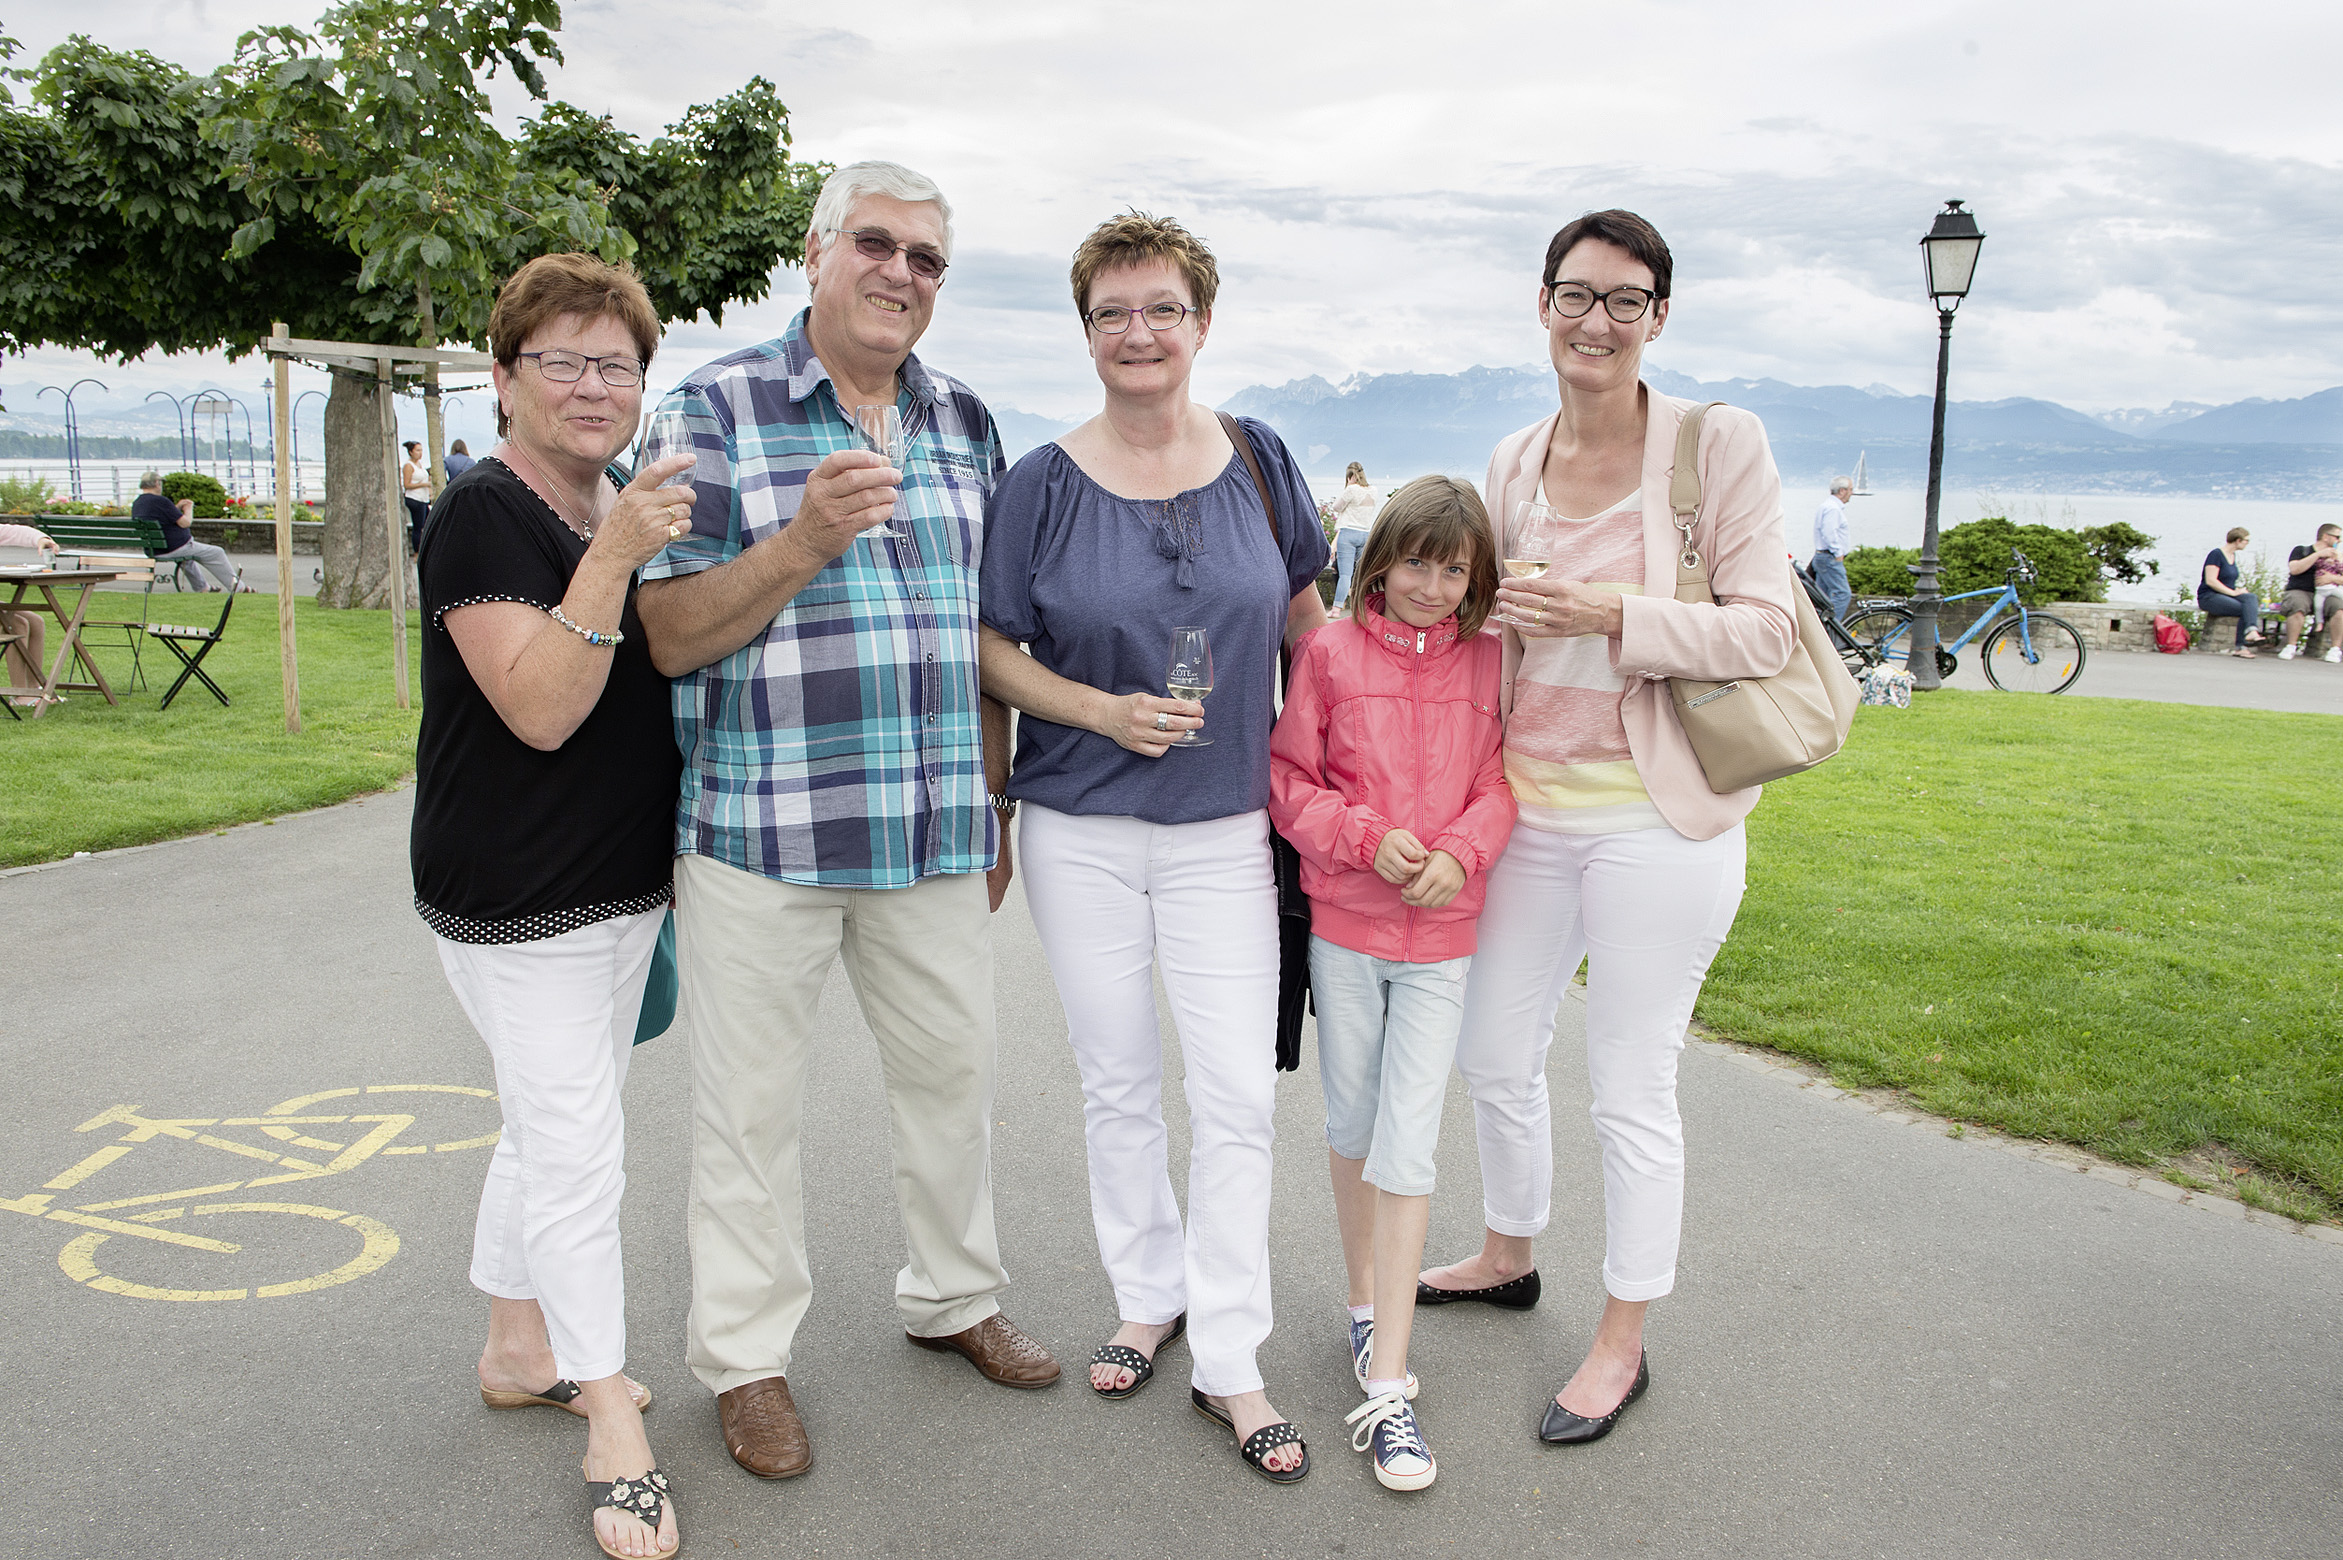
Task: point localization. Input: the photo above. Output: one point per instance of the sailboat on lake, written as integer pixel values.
(1862, 476)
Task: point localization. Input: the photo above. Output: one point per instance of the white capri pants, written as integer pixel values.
(1647, 911)
(1113, 898)
(559, 1017)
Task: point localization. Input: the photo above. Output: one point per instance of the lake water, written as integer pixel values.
(2185, 528)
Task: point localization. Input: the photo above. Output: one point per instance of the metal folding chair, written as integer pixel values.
(176, 639)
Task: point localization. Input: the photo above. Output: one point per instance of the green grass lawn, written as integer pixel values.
(2101, 921)
(88, 776)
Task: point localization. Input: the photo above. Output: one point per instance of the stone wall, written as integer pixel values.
(258, 536)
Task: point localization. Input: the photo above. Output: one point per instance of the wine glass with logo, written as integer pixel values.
(881, 428)
(1529, 544)
(1188, 675)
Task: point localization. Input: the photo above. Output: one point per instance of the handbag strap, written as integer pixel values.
(1684, 500)
(1236, 436)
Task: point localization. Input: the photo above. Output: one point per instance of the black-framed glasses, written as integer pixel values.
(1571, 300)
(567, 368)
(879, 244)
(1110, 319)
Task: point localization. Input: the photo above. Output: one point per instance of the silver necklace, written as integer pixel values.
(553, 492)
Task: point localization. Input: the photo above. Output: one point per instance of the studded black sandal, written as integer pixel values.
(644, 1497)
(1257, 1446)
(562, 1394)
(1516, 1294)
(1123, 1357)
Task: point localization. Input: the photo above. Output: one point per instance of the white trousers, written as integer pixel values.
(1647, 911)
(752, 954)
(1113, 899)
(559, 1017)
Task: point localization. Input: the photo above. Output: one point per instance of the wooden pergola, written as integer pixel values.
(384, 364)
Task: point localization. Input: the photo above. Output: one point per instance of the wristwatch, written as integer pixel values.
(1006, 806)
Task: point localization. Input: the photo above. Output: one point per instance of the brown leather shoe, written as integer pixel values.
(762, 1430)
(1002, 1353)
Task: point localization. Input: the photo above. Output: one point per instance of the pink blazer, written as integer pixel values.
(1749, 632)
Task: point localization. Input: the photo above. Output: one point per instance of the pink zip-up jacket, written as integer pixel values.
(1391, 727)
(1748, 632)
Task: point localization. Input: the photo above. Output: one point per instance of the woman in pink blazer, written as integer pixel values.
(1623, 856)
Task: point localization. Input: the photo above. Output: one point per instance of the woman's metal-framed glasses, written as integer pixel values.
(567, 368)
(1571, 300)
(879, 244)
(1112, 319)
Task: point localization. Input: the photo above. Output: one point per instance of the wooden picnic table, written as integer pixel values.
(69, 648)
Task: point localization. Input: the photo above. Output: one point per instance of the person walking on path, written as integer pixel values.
(2219, 594)
(545, 776)
(1623, 856)
(835, 802)
(1395, 852)
(1354, 516)
(179, 543)
(2313, 574)
(1831, 546)
(1147, 519)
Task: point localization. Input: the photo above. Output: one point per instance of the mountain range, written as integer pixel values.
(1399, 424)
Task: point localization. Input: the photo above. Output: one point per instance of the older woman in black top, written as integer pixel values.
(544, 840)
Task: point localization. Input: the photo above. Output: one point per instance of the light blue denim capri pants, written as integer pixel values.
(1386, 1039)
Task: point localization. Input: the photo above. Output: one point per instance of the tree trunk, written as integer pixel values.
(356, 550)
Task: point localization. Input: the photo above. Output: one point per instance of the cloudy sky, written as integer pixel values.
(2162, 188)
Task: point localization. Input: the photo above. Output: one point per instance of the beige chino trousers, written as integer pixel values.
(752, 954)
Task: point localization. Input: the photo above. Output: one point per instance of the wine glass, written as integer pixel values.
(881, 428)
(1189, 676)
(1529, 545)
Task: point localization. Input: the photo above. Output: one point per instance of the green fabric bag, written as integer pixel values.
(660, 989)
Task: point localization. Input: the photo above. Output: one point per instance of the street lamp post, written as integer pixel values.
(294, 422)
(72, 431)
(1950, 250)
(177, 421)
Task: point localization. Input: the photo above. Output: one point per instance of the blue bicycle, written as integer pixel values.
(2030, 652)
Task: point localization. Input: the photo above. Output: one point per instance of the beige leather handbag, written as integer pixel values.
(1754, 729)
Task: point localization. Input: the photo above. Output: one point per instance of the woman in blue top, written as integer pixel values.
(2218, 594)
(1139, 853)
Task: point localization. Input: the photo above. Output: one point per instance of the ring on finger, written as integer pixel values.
(1162, 721)
(674, 531)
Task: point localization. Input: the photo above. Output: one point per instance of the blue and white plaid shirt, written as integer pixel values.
(843, 746)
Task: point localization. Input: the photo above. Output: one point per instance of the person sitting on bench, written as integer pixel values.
(179, 543)
(24, 662)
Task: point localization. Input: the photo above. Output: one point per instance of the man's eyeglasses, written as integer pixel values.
(879, 244)
(567, 368)
(1571, 300)
(1112, 320)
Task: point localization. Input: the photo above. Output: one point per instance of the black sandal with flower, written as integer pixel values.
(643, 1497)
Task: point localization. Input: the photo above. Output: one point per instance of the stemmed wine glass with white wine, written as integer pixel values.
(1189, 676)
(881, 428)
(1529, 550)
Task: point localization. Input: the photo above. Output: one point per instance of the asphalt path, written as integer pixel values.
(1884, 1341)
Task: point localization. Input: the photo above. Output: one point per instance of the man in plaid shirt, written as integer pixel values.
(838, 769)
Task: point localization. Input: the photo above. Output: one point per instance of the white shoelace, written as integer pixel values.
(1389, 1410)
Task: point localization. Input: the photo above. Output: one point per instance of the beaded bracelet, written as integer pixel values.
(591, 636)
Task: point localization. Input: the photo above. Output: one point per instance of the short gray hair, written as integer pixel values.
(1842, 484)
(151, 481)
(849, 184)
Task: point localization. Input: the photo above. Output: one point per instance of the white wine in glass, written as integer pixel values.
(1189, 676)
(1530, 545)
(881, 428)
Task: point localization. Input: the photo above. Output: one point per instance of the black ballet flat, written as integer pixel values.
(1517, 1294)
(1564, 1428)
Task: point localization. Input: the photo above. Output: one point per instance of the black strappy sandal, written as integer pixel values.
(643, 1497)
(1260, 1443)
(1124, 1357)
(562, 1394)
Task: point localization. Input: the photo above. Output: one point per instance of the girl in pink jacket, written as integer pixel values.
(1385, 774)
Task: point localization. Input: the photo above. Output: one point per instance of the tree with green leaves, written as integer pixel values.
(353, 184)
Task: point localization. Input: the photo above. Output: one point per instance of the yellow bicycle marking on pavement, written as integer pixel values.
(378, 1242)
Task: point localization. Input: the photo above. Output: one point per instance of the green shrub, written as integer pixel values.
(23, 495)
(1881, 571)
(211, 499)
